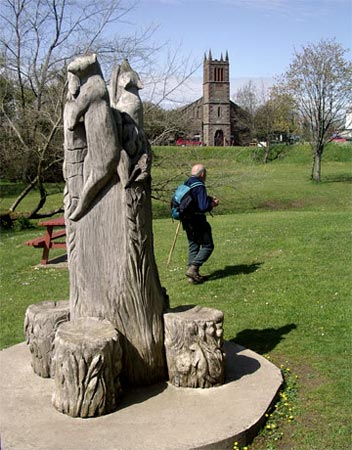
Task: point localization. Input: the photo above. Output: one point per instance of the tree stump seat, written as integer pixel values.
(193, 345)
(87, 360)
(40, 325)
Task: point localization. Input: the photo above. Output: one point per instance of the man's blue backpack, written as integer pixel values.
(181, 200)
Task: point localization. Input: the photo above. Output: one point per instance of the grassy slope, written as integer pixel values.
(244, 185)
(280, 272)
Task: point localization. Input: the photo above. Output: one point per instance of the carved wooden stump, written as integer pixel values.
(40, 325)
(193, 344)
(87, 360)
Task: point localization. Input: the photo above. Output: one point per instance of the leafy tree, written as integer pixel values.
(270, 114)
(275, 120)
(319, 80)
(247, 98)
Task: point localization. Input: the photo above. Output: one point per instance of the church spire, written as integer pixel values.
(210, 56)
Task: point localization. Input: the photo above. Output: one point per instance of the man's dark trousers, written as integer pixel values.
(200, 240)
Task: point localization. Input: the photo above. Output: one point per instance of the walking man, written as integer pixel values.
(198, 230)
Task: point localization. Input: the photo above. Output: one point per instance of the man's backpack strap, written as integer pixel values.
(196, 184)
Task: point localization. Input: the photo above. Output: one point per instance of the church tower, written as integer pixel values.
(216, 101)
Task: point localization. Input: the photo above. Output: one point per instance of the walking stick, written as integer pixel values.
(173, 245)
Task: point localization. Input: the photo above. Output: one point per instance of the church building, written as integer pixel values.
(214, 119)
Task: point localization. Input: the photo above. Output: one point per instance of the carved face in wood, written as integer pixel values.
(73, 85)
(128, 78)
(85, 66)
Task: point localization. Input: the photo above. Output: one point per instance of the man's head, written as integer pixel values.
(198, 170)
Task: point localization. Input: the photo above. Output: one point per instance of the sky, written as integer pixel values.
(259, 35)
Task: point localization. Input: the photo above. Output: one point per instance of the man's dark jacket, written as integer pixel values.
(202, 203)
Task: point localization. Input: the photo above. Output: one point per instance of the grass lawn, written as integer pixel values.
(281, 273)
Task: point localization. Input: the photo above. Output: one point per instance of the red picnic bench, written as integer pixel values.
(48, 241)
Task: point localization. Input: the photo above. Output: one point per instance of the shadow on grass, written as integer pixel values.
(263, 341)
(341, 178)
(230, 271)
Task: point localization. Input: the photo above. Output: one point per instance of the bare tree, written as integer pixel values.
(164, 119)
(320, 81)
(37, 38)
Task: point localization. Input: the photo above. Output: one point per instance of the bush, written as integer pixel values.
(6, 222)
(22, 223)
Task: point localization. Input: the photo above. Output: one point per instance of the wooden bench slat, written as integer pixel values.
(39, 242)
(58, 221)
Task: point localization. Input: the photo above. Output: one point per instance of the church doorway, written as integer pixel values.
(219, 138)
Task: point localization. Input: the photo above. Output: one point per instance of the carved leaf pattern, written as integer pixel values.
(86, 374)
(41, 322)
(193, 351)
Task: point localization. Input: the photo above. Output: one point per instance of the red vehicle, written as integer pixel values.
(186, 142)
(339, 139)
(335, 137)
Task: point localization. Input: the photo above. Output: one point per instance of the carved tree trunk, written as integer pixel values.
(87, 362)
(142, 296)
(113, 274)
(40, 325)
(193, 343)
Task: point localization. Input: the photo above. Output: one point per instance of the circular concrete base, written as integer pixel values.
(159, 417)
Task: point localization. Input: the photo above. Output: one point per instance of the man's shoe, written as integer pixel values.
(201, 277)
(193, 274)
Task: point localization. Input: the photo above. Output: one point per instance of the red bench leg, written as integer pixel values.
(46, 249)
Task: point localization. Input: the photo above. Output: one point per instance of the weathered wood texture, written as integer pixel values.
(40, 325)
(112, 268)
(87, 361)
(124, 86)
(193, 344)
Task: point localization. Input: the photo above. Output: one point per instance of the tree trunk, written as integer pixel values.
(87, 362)
(193, 343)
(108, 214)
(318, 167)
(312, 167)
(316, 162)
(40, 325)
(23, 194)
(267, 152)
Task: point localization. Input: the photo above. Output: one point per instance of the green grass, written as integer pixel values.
(10, 191)
(283, 281)
(242, 184)
(280, 272)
